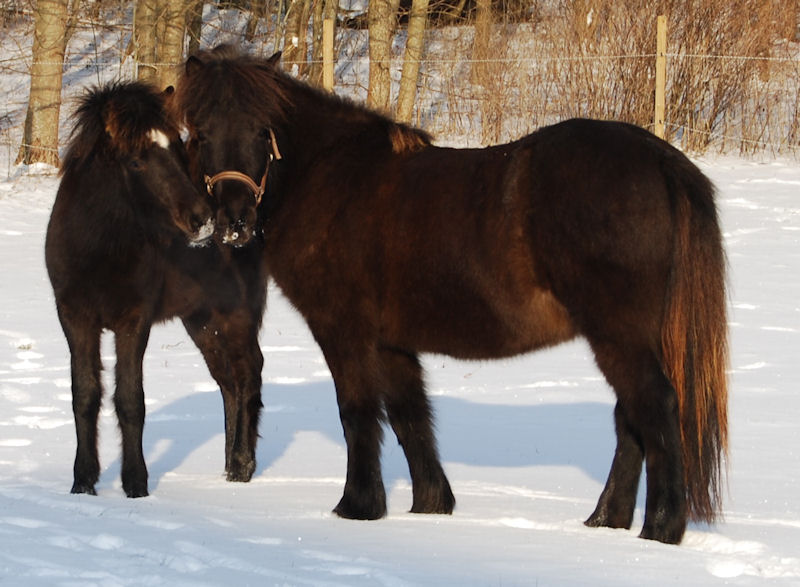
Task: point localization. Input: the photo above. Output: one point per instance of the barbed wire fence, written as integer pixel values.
(533, 84)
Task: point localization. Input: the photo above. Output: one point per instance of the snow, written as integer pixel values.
(526, 444)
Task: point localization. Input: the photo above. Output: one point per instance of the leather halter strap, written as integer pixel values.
(257, 189)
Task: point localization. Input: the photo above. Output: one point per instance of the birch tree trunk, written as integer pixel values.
(295, 44)
(315, 69)
(414, 46)
(381, 19)
(170, 42)
(144, 38)
(40, 135)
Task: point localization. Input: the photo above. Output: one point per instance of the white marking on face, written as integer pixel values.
(159, 138)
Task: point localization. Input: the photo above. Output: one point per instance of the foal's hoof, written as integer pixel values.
(83, 488)
(372, 510)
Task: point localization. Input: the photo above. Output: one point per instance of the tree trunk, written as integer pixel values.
(195, 26)
(315, 70)
(170, 41)
(411, 61)
(381, 19)
(40, 137)
(294, 41)
(144, 35)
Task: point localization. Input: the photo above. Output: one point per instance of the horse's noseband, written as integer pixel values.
(257, 189)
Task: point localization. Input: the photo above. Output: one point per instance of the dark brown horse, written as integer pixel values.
(120, 257)
(391, 247)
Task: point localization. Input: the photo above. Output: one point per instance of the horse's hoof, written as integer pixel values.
(604, 521)
(347, 509)
(241, 473)
(83, 488)
(441, 502)
(134, 492)
(672, 535)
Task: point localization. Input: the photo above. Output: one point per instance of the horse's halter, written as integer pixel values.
(257, 189)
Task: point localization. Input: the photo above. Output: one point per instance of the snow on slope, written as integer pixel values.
(526, 444)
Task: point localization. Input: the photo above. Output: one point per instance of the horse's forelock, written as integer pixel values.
(225, 78)
(117, 118)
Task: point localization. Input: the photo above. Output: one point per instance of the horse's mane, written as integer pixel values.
(116, 119)
(257, 85)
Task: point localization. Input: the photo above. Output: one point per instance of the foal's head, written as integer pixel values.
(123, 131)
(230, 104)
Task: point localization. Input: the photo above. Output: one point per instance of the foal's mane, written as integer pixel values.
(115, 120)
(260, 88)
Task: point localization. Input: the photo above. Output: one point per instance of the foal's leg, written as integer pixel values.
(650, 407)
(229, 344)
(131, 342)
(618, 500)
(83, 338)
(410, 416)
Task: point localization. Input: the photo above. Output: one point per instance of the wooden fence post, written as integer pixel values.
(661, 76)
(327, 54)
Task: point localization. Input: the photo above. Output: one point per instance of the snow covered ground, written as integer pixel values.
(526, 444)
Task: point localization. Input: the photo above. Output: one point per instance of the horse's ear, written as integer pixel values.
(275, 59)
(193, 65)
(168, 91)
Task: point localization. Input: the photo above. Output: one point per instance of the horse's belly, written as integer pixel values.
(472, 326)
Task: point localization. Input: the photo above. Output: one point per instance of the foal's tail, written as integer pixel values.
(694, 336)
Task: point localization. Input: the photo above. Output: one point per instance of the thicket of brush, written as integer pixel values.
(733, 67)
(733, 72)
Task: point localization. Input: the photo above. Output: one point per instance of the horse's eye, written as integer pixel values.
(136, 164)
(200, 137)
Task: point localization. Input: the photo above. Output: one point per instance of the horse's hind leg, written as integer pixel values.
(647, 417)
(131, 342)
(618, 500)
(410, 416)
(83, 339)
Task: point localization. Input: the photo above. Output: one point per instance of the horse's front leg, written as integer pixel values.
(229, 344)
(357, 377)
(131, 342)
(83, 338)
(411, 418)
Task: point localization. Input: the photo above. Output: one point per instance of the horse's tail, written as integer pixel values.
(694, 336)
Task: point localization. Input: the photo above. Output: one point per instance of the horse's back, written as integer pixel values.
(508, 249)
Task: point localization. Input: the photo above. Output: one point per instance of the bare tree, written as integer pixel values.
(414, 46)
(295, 45)
(194, 25)
(144, 38)
(40, 135)
(159, 32)
(382, 19)
(172, 31)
